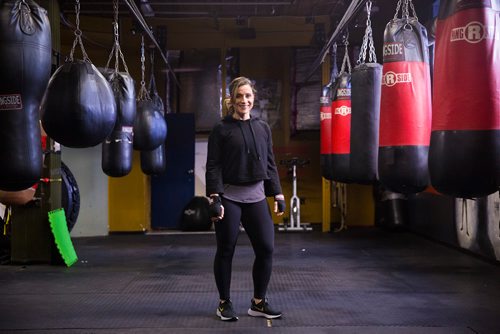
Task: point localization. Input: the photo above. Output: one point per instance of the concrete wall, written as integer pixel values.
(85, 164)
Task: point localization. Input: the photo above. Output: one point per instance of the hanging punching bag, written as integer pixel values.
(117, 149)
(325, 110)
(150, 128)
(153, 162)
(365, 111)
(365, 119)
(341, 122)
(341, 128)
(464, 158)
(25, 62)
(405, 107)
(78, 109)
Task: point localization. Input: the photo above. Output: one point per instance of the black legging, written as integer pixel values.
(258, 224)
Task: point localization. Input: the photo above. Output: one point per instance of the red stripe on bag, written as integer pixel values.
(467, 71)
(341, 126)
(326, 129)
(405, 106)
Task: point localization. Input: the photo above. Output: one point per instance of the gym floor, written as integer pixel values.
(358, 281)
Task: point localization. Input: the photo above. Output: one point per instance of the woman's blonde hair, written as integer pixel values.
(227, 103)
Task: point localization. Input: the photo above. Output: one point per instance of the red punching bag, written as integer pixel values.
(25, 60)
(341, 123)
(325, 112)
(325, 102)
(405, 106)
(464, 157)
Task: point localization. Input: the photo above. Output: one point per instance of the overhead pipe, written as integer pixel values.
(352, 11)
(137, 14)
(219, 3)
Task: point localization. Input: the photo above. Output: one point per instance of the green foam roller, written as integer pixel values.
(59, 227)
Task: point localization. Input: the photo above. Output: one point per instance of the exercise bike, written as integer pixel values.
(294, 224)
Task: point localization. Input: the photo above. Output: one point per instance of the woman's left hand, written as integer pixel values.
(279, 204)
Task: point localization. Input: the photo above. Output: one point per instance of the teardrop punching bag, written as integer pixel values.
(25, 63)
(325, 110)
(405, 107)
(150, 128)
(78, 109)
(464, 158)
(154, 162)
(365, 111)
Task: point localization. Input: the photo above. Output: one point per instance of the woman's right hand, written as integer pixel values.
(216, 208)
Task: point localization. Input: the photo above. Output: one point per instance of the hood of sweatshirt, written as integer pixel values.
(229, 119)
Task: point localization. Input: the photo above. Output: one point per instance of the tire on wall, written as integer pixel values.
(70, 196)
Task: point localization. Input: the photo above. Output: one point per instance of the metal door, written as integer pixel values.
(172, 191)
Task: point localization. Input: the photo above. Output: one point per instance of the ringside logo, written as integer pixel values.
(390, 78)
(344, 92)
(325, 115)
(342, 111)
(11, 101)
(473, 32)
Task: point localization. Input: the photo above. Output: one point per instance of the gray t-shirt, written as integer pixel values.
(248, 193)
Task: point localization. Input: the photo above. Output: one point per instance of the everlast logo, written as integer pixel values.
(342, 111)
(12, 101)
(473, 32)
(390, 78)
(325, 115)
(341, 92)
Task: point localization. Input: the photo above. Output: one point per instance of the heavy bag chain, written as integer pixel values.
(78, 36)
(368, 38)
(116, 50)
(405, 6)
(346, 60)
(152, 82)
(143, 92)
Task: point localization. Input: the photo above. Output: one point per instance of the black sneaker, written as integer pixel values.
(225, 311)
(263, 309)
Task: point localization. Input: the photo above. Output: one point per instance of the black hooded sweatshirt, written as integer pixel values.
(241, 152)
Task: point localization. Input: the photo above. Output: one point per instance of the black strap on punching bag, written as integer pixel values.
(25, 62)
(365, 110)
(117, 149)
(78, 109)
(150, 128)
(154, 162)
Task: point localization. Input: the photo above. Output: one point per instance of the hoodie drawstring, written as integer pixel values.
(254, 142)
(247, 149)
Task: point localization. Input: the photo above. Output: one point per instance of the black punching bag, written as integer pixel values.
(150, 128)
(464, 157)
(25, 63)
(365, 118)
(405, 107)
(365, 110)
(117, 149)
(78, 109)
(153, 162)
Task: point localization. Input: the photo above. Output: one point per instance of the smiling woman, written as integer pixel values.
(241, 173)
